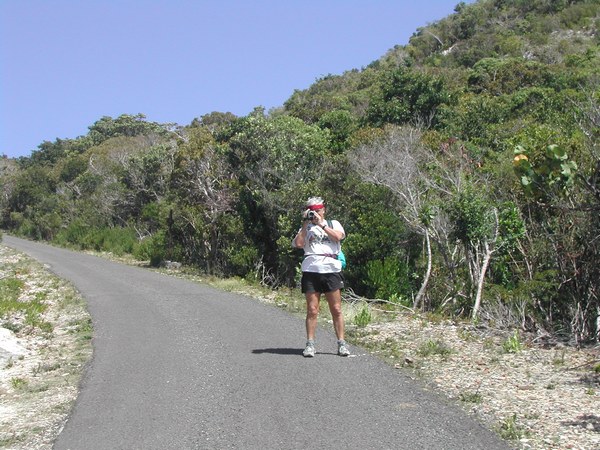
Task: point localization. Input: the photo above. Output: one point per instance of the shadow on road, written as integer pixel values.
(286, 351)
(279, 351)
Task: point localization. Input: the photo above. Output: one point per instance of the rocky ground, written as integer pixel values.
(534, 397)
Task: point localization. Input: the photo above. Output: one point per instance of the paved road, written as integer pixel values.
(179, 365)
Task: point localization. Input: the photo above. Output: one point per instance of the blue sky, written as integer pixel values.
(64, 64)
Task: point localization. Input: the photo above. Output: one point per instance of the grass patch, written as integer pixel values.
(44, 368)
(470, 397)
(559, 359)
(11, 441)
(82, 328)
(467, 335)
(434, 347)
(11, 303)
(359, 314)
(18, 383)
(10, 289)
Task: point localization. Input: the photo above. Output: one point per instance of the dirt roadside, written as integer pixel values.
(43, 352)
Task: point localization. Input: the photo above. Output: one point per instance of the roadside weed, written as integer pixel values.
(488, 343)
(559, 359)
(470, 397)
(18, 383)
(466, 335)
(363, 318)
(434, 347)
(513, 344)
(509, 429)
(11, 289)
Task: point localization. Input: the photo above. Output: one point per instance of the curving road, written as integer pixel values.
(179, 365)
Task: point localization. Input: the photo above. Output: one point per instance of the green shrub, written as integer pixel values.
(242, 260)
(74, 234)
(388, 278)
(116, 240)
(152, 248)
(364, 317)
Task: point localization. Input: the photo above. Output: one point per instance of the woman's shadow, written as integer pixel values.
(278, 351)
(284, 351)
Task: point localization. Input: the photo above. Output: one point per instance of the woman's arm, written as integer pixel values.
(300, 239)
(334, 235)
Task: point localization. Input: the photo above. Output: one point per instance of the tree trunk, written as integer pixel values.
(598, 324)
(484, 267)
(421, 293)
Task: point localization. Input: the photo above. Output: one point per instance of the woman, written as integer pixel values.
(321, 271)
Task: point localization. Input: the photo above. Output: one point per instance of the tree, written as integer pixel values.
(205, 187)
(484, 229)
(341, 125)
(406, 95)
(275, 159)
(398, 162)
(124, 125)
(567, 200)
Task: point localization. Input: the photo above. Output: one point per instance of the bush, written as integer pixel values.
(388, 278)
(74, 234)
(152, 248)
(118, 241)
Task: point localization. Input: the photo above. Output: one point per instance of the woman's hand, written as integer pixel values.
(305, 216)
(317, 219)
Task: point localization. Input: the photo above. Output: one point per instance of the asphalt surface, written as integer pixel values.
(179, 365)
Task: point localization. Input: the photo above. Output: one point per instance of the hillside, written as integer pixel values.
(464, 166)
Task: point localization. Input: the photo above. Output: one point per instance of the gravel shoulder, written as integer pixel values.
(535, 397)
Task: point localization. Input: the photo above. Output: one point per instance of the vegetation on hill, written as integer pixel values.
(464, 166)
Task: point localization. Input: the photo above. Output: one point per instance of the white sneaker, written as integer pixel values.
(343, 348)
(309, 351)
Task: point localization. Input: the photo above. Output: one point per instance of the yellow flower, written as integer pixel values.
(519, 158)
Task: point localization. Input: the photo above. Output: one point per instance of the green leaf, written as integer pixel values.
(555, 152)
(526, 181)
(519, 150)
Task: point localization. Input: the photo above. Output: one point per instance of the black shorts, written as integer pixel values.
(321, 282)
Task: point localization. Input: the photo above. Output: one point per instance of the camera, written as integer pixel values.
(311, 215)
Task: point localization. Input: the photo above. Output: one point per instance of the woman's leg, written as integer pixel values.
(334, 299)
(312, 312)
